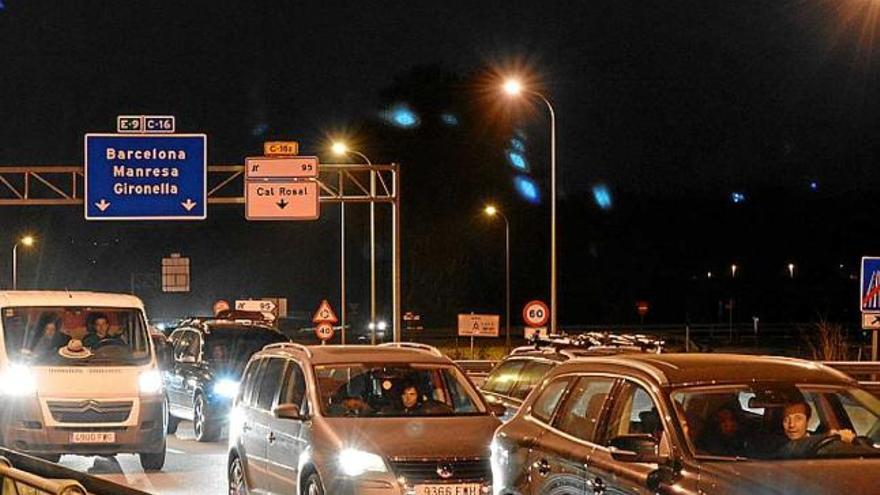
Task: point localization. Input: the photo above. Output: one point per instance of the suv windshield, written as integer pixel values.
(779, 421)
(232, 346)
(383, 390)
(76, 336)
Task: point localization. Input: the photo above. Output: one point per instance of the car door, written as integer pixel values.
(291, 436)
(192, 369)
(251, 448)
(174, 376)
(256, 433)
(634, 411)
(558, 459)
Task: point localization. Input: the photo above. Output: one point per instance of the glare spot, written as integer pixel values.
(737, 197)
(814, 186)
(518, 144)
(260, 129)
(520, 133)
(517, 160)
(527, 189)
(449, 119)
(401, 116)
(602, 196)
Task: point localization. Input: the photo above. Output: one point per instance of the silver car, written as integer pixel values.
(397, 420)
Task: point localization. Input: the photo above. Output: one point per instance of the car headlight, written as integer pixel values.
(226, 388)
(18, 380)
(150, 382)
(353, 462)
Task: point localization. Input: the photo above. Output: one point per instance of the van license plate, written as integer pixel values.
(456, 489)
(93, 437)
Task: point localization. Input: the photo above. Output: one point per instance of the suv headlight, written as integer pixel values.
(226, 388)
(18, 380)
(150, 382)
(353, 462)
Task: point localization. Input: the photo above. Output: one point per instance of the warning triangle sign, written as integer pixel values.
(325, 314)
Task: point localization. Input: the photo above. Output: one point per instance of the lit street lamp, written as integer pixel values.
(26, 241)
(733, 271)
(514, 88)
(340, 148)
(791, 270)
(492, 211)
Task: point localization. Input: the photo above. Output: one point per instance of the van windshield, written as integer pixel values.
(76, 336)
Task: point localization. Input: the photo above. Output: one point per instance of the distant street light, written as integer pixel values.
(339, 148)
(513, 87)
(493, 211)
(791, 270)
(26, 241)
(733, 271)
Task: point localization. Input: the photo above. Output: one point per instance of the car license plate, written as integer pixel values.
(93, 437)
(449, 489)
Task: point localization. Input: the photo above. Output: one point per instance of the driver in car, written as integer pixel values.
(800, 443)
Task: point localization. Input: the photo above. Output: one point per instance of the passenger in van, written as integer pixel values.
(50, 339)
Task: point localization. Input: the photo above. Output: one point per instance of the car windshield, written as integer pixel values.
(232, 346)
(383, 390)
(76, 336)
(779, 421)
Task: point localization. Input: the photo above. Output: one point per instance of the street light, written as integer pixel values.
(791, 270)
(514, 87)
(733, 271)
(26, 241)
(339, 148)
(493, 211)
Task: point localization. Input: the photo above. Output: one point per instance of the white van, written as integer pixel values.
(79, 375)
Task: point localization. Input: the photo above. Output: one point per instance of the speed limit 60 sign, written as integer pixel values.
(536, 314)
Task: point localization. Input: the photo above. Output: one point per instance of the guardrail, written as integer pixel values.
(21, 474)
(866, 372)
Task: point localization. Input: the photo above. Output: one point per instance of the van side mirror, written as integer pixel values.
(288, 411)
(636, 448)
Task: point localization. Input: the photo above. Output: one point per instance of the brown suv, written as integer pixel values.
(396, 420)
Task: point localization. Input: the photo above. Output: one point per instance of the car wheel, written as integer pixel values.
(173, 422)
(313, 485)
(237, 485)
(153, 461)
(204, 427)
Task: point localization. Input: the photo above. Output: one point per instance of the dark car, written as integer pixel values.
(688, 424)
(511, 380)
(208, 359)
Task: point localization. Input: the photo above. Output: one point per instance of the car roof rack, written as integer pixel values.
(289, 345)
(595, 340)
(413, 345)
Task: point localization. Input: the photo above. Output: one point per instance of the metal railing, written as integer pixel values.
(17, 482)
(21, 474)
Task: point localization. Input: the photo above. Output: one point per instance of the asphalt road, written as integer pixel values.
(190, 467)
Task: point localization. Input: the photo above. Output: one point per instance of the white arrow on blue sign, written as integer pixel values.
(146, 177)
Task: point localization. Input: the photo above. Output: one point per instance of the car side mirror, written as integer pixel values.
(288, 411)
(497, 409)
(636, 448)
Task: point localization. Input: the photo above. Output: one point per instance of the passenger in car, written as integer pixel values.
(723, 436)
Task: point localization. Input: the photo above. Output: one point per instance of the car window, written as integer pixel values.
(634, 412)
(293, 390)
(548, 399)
(251, 380)
(269, 384)
(582, 409)
(502, 378)
(187, 345)
(531, 374)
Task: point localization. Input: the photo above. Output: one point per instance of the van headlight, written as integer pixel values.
(226, 388)
(150, 382)
(354, 462)
(18, 380)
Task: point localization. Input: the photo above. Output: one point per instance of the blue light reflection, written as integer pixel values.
(602, 196)
(527, 189)
(517, 160)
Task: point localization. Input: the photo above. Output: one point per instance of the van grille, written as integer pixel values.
(415, 471)
(90, 411)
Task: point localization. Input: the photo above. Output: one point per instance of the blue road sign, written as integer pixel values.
(870, 293)
(146, 177)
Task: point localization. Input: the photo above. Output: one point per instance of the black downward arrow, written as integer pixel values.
(282, 204)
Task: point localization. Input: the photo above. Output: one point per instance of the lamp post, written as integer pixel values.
(340, 148)
(493, 211)
(514, 88)
(26, 241)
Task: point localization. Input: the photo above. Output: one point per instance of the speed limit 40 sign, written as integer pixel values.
(536, 314)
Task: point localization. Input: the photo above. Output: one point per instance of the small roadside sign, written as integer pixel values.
(536, 313)
(870, 287)
(280, 148)
(324, 332)
(325, 314)
(471, 325)
(292, 200)
(281, 167)
(256, 305)
(220, 305)
(175, 273)
(871, 321)
(149, 124)
(530, 333)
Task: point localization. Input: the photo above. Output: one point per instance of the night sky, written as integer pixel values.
(672, 106)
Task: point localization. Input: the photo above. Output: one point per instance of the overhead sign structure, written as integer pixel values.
(256, 305)
(281, 167)
(146, 176)
(325, 314)
(280, 148)
(175, 273)
(536, 313)
(281, 200)
(471, 325)
(870, 288)
(149, 124)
